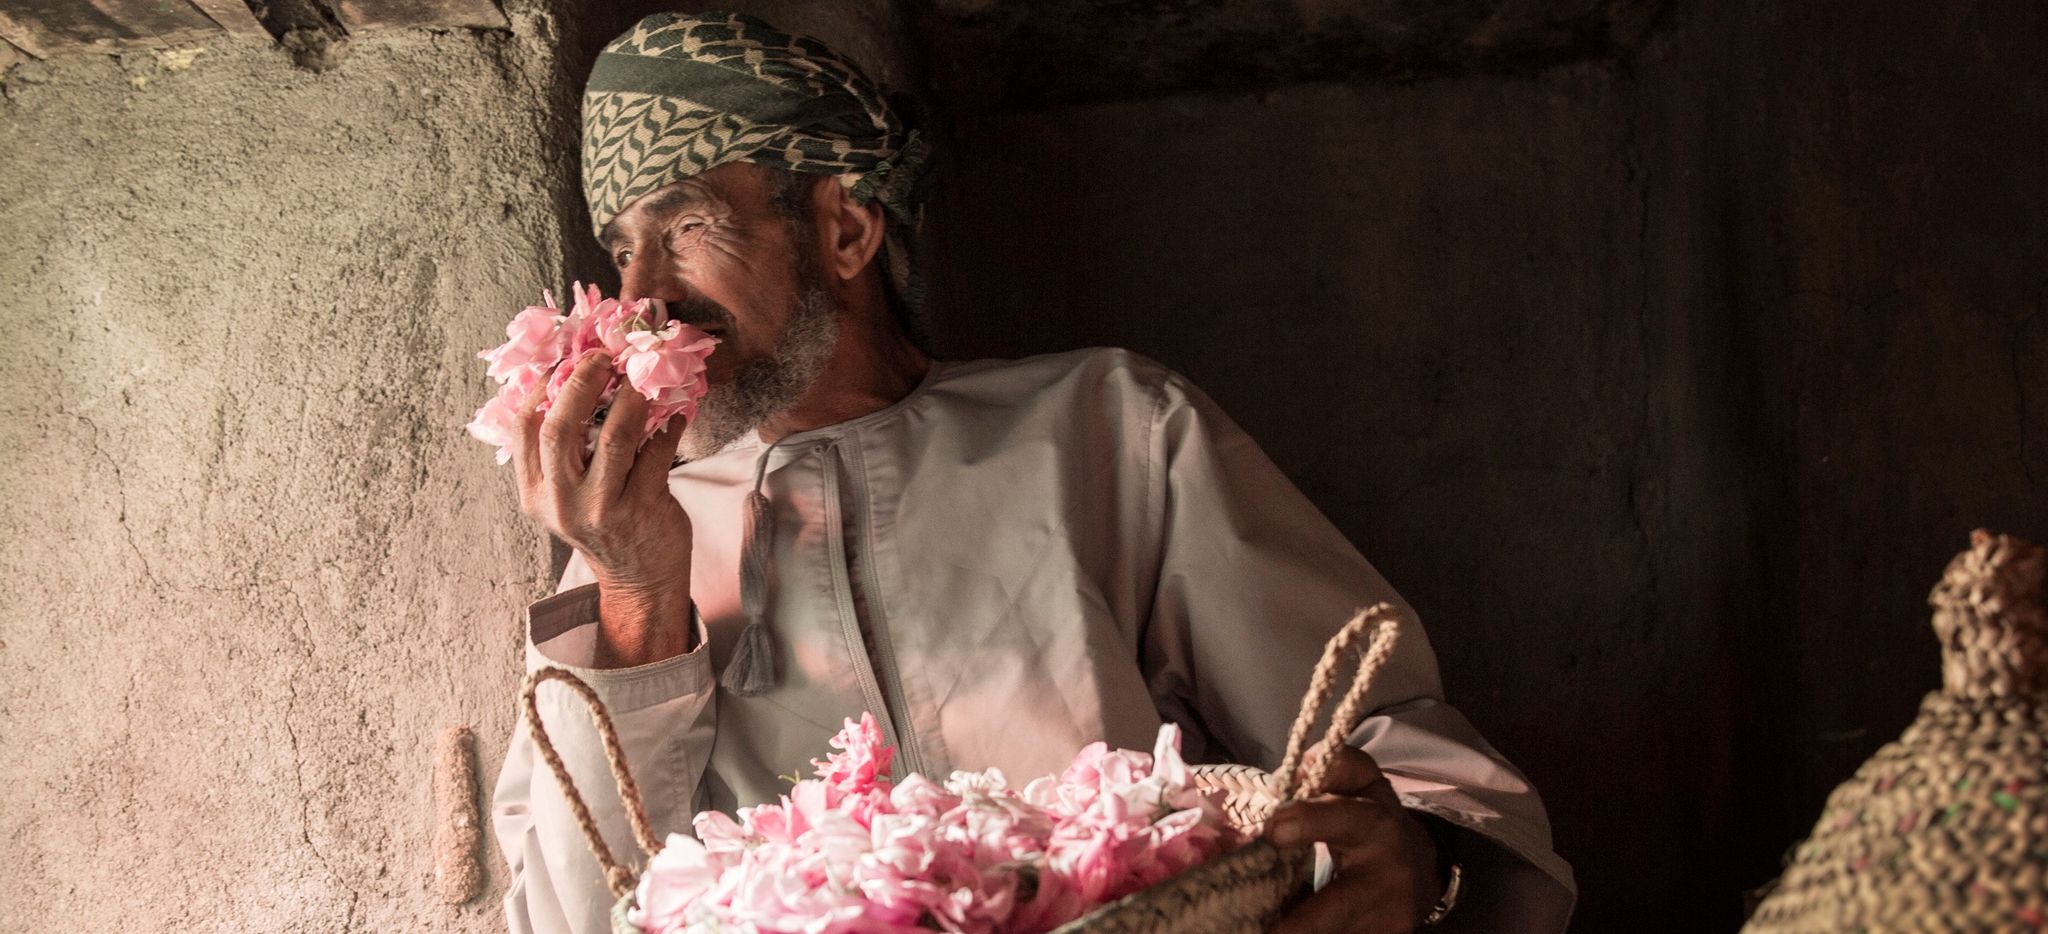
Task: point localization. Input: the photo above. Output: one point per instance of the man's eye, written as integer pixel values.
(682, 237)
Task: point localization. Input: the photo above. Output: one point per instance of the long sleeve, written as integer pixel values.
(664, 715)
(1253, 580)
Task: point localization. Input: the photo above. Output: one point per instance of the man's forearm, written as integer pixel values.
(637, 627)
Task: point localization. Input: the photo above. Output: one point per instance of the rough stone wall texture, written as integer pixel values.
(250, 564)
(1662, 382)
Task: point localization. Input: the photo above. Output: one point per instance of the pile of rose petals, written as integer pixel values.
(663, 360)
(848, 851)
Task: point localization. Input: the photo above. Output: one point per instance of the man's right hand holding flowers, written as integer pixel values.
(615, 509)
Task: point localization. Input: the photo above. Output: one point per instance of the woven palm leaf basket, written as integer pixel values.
(1241, 890)
(1946, 828)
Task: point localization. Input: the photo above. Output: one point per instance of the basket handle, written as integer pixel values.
(1379, 625)
(617, 877)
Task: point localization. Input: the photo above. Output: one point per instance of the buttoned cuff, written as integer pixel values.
(561, 632)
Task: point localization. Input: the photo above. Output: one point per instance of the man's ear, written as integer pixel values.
(852, 231)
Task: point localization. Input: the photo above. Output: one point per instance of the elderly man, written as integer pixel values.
(1001, 560)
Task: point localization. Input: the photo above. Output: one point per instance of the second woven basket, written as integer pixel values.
(1946, 828)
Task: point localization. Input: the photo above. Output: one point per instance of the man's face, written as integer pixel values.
(720, 253)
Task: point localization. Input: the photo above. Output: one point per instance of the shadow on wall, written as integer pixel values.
(1663, 382)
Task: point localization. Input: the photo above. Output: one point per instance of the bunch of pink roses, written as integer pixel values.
(848, 851)
(663, 360)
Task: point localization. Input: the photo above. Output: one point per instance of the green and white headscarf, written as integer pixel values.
(681, 93)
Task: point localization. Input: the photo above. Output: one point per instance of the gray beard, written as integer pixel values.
(769, 386)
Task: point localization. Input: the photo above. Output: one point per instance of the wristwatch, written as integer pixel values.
(1449, 870)
(1449, 900)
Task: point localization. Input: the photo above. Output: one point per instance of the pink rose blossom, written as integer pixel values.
(616, 321)
(848, 851)
(671, 886)
(667, 367)
(498, 421)
(531, 342)
(662, 360)
(860, 759)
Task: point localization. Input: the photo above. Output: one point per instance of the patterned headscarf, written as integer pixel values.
(681, 93)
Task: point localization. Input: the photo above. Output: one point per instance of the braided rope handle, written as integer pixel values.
(617, 877)
(1379, 625)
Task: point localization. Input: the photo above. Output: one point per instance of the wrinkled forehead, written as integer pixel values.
(659, 203)
(733, 189)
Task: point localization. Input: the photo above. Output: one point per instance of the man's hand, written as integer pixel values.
(1386, 874)
(616, 509)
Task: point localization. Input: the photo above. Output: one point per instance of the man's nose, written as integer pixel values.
(650, 278)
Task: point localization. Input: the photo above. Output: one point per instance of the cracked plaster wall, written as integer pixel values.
(250, 564)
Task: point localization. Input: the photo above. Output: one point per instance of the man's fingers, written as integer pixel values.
(1367, 902)
(650, 469)
(1338, 820)
(1374, 888)
(1352, 771)
(526, 441)
(1383, 854)
(617, 442)
(567, 424)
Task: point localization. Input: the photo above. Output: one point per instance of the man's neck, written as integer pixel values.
(873, 365)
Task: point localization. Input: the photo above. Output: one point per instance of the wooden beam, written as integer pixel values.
(468, 14)
(42, 27)
(22, 36)
(233, 16)
(11, 55)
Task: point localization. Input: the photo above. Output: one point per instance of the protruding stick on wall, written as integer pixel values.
(458, 831)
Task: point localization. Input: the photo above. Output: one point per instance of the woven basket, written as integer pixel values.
(1241, 890)
(1946, 828)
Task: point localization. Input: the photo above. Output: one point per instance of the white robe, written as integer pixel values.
(1016, 559)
